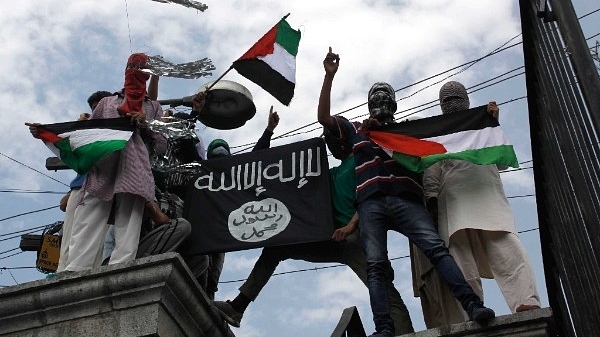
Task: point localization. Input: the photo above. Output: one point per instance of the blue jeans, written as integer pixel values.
(348, 252)
(380, 213)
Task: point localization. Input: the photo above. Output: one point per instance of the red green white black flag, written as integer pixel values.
(271, 61)
(471, 135)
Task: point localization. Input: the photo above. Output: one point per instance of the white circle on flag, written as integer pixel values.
(257, 221)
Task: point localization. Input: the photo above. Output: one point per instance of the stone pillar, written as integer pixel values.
(153, 296)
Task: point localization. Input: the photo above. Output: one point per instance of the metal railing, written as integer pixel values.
(563, 92)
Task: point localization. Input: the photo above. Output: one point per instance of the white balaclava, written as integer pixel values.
(453, 97)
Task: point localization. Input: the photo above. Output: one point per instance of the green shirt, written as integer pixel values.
(343, 191)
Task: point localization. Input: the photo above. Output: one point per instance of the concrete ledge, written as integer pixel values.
(153, 296)
(534, 323)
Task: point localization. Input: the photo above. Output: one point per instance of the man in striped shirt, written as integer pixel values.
(390, 197)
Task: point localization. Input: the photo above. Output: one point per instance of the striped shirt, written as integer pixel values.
(128, 170)
(376, 172)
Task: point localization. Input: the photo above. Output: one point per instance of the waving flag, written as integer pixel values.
(271, 61)
(471, 135)
(81, 144)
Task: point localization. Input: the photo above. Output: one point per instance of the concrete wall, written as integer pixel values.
(153, 296)
(534, 323)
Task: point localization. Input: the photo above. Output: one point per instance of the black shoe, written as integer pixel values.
(479, 313)
(230, 315)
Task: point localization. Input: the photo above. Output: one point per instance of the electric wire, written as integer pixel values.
(31, 168)
(338, 265)
(14, 190)
(28, 231)
(465, 65)
(6, 257)
(26, 213)
(128, 27)
(8, 251)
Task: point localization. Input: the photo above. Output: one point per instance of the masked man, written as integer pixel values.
(122, 181)
(476, 222)
(390, 197)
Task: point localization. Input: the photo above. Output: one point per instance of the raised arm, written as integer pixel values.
(153, 87)
(264, 142)
(331, 64)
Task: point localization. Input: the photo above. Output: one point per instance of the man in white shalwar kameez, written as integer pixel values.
(476, 221)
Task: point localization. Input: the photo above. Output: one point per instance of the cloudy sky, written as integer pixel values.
(55, 53)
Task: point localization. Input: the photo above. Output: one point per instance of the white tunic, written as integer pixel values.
(469, 196)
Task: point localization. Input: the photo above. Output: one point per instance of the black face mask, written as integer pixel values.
(382, 102)
(381, 106)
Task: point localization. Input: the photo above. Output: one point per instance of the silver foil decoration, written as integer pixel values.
(173, 128)
(178, 133)
(187, 3)
(161, 67)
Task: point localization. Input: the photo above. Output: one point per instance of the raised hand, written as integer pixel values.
(138, 118)
(492, 109)
(331, 63)
(273, 120)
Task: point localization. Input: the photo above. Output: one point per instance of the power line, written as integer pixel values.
(465, 65)
(128, 28)
(14, 268)
(13, 276)
(591, 37)
(588, 14)
(6, 257)
(8, 251)
(429, 105)
(521, 196)
(424, 106)
(517, 169)
(31, 212)
(339, 265)
(31, 168)
(30, 230)
(11, 190)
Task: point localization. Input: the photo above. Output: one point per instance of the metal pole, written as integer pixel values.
(585, 70)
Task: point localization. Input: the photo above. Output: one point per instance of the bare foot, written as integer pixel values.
(527, 307)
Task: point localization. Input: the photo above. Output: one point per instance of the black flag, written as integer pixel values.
(263, 198)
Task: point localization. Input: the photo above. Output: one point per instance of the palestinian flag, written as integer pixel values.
(81, 144)
(271, 62)
(471, 135)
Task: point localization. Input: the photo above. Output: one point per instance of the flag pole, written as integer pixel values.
(231, 66)
(218, 79)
